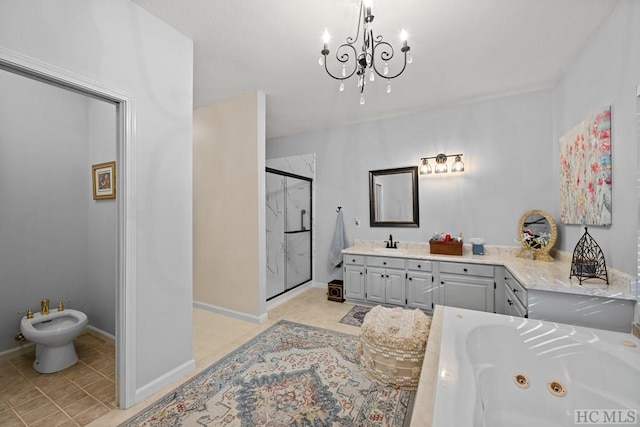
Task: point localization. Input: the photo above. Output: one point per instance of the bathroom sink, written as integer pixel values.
(389, 251)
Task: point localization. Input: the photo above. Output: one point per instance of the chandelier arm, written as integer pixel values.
(343, 58)
(387, 56)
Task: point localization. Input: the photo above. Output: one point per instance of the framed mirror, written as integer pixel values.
(537, 234)
(393, 197)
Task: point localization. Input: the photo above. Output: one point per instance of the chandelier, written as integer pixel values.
(367, 58)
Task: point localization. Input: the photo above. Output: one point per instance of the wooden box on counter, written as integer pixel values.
(438, 247)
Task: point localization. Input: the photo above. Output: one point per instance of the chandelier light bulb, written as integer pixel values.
(341, 86)
(362, 100)
(404, 36)
(344, 70)
(385, 71)
(409, 58)
(326, 37)
(321, 60)
(372, 76)
(389, 86)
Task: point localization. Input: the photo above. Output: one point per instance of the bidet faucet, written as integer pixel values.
(391, 244)
(44, 306)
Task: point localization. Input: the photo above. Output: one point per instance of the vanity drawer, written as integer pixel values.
(466, 269)
(374, 261)
(515, 287)
(353, 259)
(419, 264)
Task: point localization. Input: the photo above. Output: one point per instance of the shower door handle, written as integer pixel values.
(302, 212)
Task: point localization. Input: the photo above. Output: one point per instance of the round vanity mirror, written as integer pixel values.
(537, 234)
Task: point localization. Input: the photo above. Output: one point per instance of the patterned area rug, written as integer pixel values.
(289, 375)
(355, 316)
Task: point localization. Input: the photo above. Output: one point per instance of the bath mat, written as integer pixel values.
(290, 374)
(355, 316)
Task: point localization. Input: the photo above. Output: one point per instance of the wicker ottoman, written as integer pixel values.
(392, 345)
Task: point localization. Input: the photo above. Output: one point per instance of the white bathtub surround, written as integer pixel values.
(533, 275)
(550, 371)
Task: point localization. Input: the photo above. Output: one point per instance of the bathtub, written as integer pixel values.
(495, 370)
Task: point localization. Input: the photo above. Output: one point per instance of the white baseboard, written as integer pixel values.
(23, 348)
(100, 333)
(232, 313)
(164, 380)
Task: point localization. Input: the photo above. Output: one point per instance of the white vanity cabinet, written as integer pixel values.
(385, 280)
(515, 296)
(420, 284)
(353, 276)
(468, 286)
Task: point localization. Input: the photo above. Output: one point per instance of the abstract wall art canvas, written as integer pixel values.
(585, 171)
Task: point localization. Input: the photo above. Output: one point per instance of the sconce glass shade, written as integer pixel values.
(441, 163)
(425, 167)
(457, 165)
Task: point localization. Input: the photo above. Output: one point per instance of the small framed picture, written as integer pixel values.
(104, 180)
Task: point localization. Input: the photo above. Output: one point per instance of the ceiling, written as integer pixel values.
(463, 51)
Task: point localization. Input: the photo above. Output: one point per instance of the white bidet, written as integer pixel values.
(53, 335)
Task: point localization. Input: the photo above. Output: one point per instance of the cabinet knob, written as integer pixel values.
(384, 262)
(387, 275)
(442, 282)
(353, 260)
(464, 269)
(419, 266)
(410, 278)
(361, 273)
(515, 290)
(382, 275)
(510, 302)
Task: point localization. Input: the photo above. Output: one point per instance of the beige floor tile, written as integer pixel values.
(65, 400)
(20, 385)
(91, 414)
(99, 385)
(39, 413)
(53, 420)
(88, 379)
(10, 419)
(77, 371)
(79, 406)
(4, 406)
(20, 399)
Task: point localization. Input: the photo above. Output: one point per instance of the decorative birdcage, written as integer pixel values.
(588, 260)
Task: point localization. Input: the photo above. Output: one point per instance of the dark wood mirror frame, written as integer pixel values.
(413, 222)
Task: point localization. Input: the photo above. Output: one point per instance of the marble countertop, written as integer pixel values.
(533, 275)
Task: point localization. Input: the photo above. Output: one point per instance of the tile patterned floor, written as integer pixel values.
(74, 397)
(85, 393)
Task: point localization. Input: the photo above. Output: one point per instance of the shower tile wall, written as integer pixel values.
(288, 259)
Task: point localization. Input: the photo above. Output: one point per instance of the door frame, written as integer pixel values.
(126, 202)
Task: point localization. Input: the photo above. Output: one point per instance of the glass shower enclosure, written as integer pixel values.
(289, 232)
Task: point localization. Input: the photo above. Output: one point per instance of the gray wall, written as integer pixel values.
(117, 44)
(607, 73)
(508, 168)
(511, 154)
(52, 244)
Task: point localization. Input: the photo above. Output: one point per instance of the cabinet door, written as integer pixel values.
(474, 293)
(395, 287)
(375, 284)
(419, 289)
(354, 282)
(512, 306)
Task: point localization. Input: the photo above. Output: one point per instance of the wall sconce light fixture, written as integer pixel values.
(441, 164)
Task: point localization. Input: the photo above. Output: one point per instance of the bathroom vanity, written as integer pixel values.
(497, 282)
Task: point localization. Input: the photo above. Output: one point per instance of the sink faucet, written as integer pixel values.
(391, 244)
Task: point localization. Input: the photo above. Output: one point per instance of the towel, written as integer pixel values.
(338, 243)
